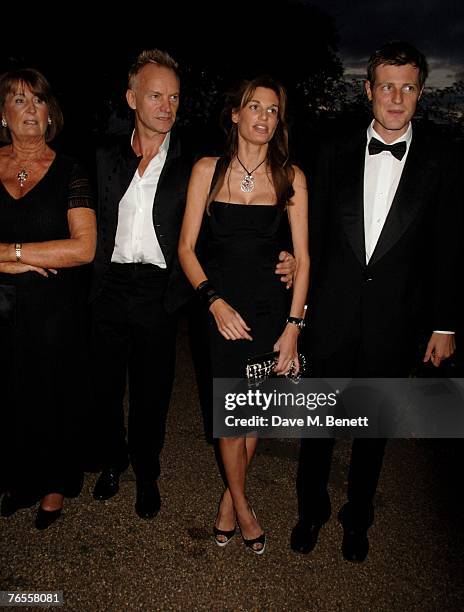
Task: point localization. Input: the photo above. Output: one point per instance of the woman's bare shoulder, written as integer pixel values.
(206, 164)
(299, 177)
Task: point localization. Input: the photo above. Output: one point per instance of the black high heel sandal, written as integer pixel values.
(261, 539)
(228, 535)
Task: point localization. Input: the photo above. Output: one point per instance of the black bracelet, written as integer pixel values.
(298, 321)
(207, 294)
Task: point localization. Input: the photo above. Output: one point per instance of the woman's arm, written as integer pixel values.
(197, 196)
(76, 250)
(298, 218)
(229, 322)
(16, 267)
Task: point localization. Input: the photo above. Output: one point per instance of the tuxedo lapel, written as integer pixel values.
(407, 201)
(350, 187)
(172, 155)
(121, 167)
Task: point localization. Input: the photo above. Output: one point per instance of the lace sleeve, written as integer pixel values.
(80, 193)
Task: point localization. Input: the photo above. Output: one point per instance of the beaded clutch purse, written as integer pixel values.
(261, 367)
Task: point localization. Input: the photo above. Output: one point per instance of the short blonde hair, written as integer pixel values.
(152, 56)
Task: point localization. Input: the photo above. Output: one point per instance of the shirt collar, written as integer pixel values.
(164, 145)
(406, 137)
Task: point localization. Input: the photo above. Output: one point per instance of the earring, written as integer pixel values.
(49, 120)
(4, 123)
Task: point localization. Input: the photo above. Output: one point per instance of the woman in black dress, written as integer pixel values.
(47, 233)
(246, 194)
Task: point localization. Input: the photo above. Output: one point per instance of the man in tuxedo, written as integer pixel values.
(385, 223)
(138, 284)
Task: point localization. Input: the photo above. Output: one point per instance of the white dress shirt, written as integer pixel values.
(136, 240)
(382, 174)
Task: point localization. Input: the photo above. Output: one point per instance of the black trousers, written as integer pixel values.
(197, 319)
(366, 453)
(133, 337)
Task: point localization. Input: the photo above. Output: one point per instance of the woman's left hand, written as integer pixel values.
(17, 267)
(288, 350)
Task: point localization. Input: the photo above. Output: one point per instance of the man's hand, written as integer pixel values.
(286, 267)
(440, 346)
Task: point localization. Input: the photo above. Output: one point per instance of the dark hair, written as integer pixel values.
(152, 56)
(40, 87)
(277, 153)
(398, 53)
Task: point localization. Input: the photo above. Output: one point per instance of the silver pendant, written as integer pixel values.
(22, 177)
(248, 183)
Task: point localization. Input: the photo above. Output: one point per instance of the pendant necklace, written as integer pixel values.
(22, 177)
(248, 182)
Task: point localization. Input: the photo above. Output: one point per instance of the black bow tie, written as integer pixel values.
(397, 150)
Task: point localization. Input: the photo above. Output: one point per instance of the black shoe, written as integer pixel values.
(304, 537)
(148, 502)
(10, 504)
(260, 541)
(44, 518)
(107, 484)
(355, 545)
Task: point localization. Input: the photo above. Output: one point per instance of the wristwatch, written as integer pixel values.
(18, 247)
(298, 321)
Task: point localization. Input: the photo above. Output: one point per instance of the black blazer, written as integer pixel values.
(116, 165)
(410, 283)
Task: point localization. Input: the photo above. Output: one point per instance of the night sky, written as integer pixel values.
(86, 57)
(436, 27)
(249, 30)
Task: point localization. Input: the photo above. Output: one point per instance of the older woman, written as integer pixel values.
(247, 194)
(47, 233)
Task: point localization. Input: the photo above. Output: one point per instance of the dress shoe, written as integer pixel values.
(304, 537)
(355, 545)
(10, 504)
(44, 518)
(148, 502)
(107, 484)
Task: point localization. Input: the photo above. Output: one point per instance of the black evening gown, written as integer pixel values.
(244, 242)
(43, 363)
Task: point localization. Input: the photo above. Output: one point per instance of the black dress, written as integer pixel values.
(244, 242)
(42, 364)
